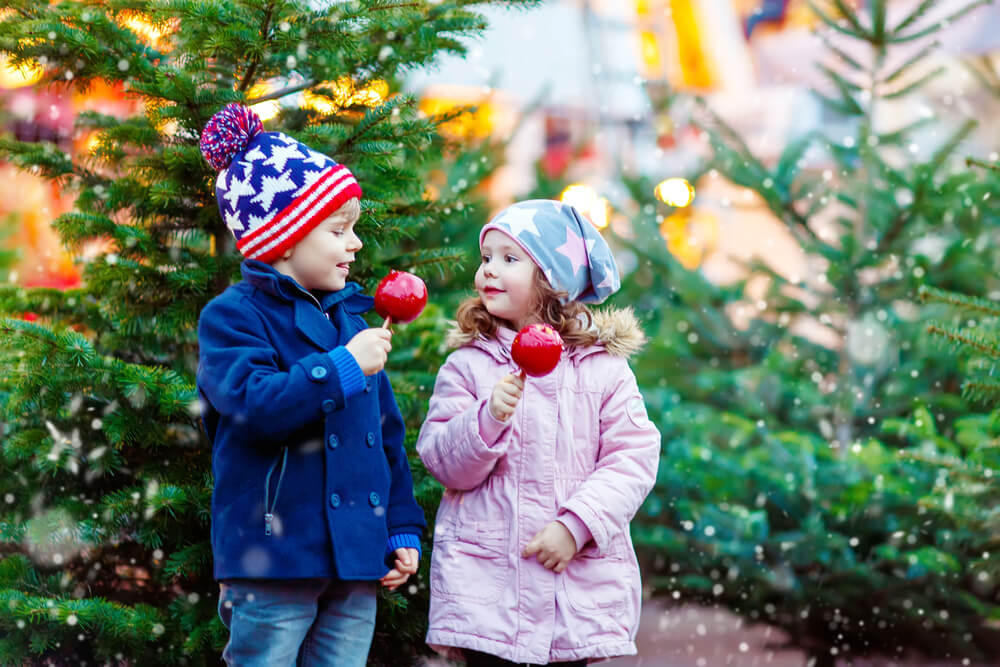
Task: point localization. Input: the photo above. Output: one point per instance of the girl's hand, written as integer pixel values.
(407, 561)
(554, 545)
(506, 395)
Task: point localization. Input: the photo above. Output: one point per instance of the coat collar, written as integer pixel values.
(312, 322)
(267, 279)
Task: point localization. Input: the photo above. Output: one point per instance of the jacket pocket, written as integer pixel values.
(593, 583)
(470, 561)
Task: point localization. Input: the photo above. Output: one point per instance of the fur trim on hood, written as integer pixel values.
(618, 331)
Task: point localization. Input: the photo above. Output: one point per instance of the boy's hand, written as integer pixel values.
(407, 561)
(554, 545)
(506, 395)
(370, 348)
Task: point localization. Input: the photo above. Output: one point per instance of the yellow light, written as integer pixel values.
(579, 196)
(586, 200)
(650, 51)
(345, 93)
(266, 110)
(17, 77)
(675, 192)
(148, 32)
(690, 236)
(600, 213)
(470, 125)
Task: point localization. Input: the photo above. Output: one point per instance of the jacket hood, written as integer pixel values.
(618, 333)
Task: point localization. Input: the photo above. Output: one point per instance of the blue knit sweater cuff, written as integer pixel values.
(352, 380)
(403, 541)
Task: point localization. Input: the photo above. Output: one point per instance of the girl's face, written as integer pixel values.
(505, 280)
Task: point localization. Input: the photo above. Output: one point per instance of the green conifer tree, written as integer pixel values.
(794, 486)
(105, 495)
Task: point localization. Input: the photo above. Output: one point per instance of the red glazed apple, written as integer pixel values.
(400, 297)
(537, 349)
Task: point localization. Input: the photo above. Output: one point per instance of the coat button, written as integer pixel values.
(370, 439)
(329, 405)
(374, 499)
(368, 386)
(334, 501)
(319, 372)
(333, 442)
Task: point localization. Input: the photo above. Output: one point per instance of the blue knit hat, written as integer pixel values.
(567, 248)
(271, 189)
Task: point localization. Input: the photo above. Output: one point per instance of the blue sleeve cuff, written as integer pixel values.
(402, 541)
(352, 380)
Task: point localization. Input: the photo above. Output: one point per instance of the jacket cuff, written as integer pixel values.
(490, 428)
(352, 380)
(577, 528)
(401, 541)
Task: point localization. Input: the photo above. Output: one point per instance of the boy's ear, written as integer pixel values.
(288, 253)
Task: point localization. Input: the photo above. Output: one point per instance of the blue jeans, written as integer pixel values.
(306, 622)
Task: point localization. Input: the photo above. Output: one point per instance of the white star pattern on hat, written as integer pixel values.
(254, 154)
(308, 178)
(270, 186)
(238, 188)
(233, 221)
(281, 155)
(317, 159)
(520, 220)
(255, 221)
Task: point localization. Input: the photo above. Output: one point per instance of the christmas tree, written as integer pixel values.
(105, 498)
(795, 487)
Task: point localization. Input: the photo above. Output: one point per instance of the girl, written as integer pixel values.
(532, 560)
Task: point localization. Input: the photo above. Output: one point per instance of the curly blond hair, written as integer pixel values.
(573, 320)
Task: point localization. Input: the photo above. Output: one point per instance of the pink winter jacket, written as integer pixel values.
(580, 449)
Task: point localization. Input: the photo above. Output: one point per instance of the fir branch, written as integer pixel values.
(929, 294)
(910, 62)
(858, 32)
(897, 38)
(966, 339)
(973, 162)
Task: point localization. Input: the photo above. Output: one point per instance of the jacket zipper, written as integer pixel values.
(269, 507)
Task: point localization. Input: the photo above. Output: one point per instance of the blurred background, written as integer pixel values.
(802, 198)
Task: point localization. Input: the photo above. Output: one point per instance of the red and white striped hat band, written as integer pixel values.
(272, 237)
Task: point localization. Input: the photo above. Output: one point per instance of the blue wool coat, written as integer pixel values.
(326, 465)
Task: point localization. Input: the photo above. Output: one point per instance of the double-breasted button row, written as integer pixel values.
(373, 499)
(333, 441)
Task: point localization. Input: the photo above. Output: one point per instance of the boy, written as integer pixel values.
(313, 497)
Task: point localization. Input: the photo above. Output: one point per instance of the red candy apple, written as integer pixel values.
(400, 297)
(537, 349)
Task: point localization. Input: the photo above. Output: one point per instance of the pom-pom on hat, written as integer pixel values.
(568, 249)
(271, 189)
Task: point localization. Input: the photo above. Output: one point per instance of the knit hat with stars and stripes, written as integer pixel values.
(272, 190)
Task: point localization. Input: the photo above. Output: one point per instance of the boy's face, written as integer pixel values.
(322, 259)
(506, 278)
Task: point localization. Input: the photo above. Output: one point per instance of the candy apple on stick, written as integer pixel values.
(537, 349)
(400, 297)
